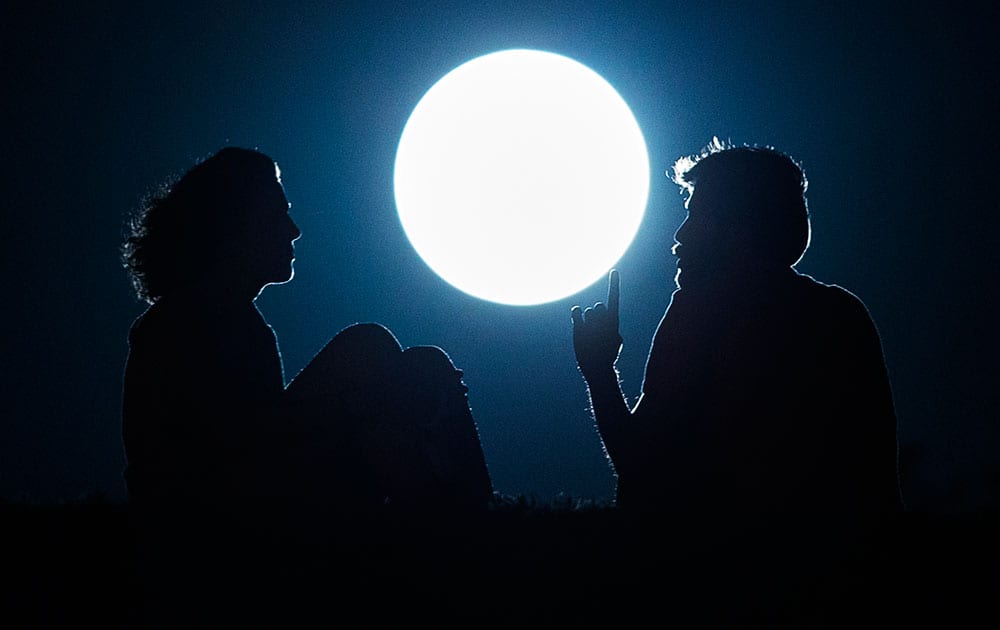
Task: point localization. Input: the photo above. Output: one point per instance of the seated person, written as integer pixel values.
(204, 381)
(207, 421)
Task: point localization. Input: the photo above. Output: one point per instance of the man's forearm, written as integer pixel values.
(610, 412)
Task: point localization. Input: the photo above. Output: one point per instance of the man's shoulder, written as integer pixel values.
(839, 307)
(831, 295)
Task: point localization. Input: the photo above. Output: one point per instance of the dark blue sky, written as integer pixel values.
(892, 114)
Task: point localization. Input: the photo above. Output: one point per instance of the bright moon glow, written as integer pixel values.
(521, 177)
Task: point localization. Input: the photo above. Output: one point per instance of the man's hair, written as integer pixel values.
(173, 235)
(758, 184)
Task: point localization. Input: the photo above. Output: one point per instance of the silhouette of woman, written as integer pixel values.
(204, 379)
(204, 426)
(218, 450)
(207, 420)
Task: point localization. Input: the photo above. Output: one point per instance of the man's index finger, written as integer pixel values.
(614, 292)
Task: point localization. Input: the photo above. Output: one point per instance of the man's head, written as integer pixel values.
(747, 211)
(228, 212)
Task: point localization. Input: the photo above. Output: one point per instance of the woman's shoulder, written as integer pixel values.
(170, 318)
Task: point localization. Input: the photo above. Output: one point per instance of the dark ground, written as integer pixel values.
(520, 562)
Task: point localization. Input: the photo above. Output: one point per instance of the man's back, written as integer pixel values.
(762, 398)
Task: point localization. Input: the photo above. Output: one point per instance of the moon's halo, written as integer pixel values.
(521, 177)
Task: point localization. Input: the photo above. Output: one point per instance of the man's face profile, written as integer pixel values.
(712, 243)
(697, 238)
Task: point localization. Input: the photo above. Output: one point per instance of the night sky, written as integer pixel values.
(892, 114)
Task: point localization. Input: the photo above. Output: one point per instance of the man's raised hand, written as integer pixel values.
(596, 339)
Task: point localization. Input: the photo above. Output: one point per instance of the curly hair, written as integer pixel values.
(172, 236)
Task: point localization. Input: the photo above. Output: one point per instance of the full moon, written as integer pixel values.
(521, 177)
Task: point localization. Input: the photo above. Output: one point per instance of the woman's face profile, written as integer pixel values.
(270, 234)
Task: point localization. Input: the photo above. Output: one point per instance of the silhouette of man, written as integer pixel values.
(765, 391)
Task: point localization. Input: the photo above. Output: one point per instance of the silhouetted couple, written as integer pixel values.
(765, 400)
